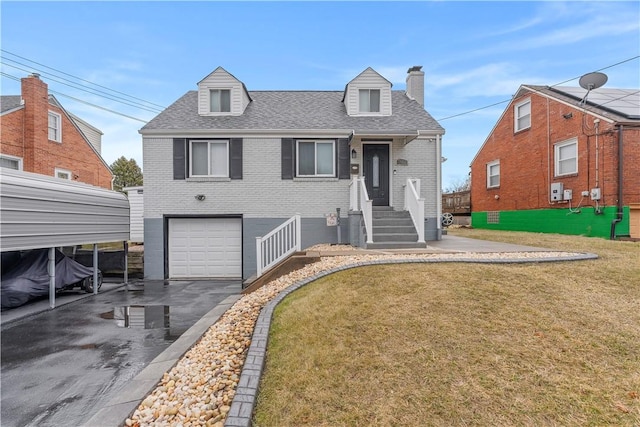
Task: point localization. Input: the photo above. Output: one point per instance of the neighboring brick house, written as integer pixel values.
(38, 135)
(224, 165)
(557, 164)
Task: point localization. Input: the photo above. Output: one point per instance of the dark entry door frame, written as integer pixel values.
(376, 169)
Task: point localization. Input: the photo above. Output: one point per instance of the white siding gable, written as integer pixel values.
(221, 79)
(368, 79)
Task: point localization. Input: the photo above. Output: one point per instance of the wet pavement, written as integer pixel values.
(60, 367)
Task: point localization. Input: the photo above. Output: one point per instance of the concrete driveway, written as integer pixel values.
(60, 367)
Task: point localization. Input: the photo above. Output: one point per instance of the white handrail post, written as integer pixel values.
(353, 194)
(259, 256)
(298, 232)
(415, 205)
(367, 210)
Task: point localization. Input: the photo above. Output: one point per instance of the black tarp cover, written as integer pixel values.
(28, 278)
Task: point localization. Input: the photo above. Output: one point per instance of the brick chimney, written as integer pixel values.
(35, 95)
(415, 84)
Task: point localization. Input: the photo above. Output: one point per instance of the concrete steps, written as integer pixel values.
(393, 230)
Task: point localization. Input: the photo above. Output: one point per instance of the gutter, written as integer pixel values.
(619, 214)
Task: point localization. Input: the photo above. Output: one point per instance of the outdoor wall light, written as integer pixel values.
(568, 115)
(200, 197)
(353, 153)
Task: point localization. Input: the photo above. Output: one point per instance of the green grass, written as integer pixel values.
(462, 344)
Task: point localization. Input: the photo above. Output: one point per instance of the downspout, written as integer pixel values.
(620, 211)
(438, 187)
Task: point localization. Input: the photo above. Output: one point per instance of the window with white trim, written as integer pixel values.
(369, 100)
(55, 127)
(209, 158)
(63, 174)
(315, 158)
(566, 157)
(493, 174)
(522, 115)
(10, 162)
(220, 100)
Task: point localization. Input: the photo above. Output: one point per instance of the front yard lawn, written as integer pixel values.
(462, 344)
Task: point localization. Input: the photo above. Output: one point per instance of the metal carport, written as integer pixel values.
(38, 211)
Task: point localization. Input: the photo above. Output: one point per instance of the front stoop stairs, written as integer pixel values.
(393, 230)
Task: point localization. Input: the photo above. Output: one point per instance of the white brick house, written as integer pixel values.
(224, 165)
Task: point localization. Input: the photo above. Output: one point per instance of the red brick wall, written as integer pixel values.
(527, 160)
(11, 134)
(25, 134)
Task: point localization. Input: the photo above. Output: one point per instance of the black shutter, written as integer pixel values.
(235, 158)
(344, 159)
(287, 158)
(179, 158)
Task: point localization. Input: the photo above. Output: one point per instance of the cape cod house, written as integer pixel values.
(560, 160)
(224, 166)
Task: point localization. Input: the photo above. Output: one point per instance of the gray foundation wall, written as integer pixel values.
(314, 231)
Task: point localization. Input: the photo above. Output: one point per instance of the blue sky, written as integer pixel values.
(474, 54)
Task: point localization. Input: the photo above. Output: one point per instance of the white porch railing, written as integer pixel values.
(366, 206)
(278, 244)
(415, 205)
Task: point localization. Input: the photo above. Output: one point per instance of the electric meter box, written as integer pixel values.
(595, 194)
(557, 189)
(567, 195)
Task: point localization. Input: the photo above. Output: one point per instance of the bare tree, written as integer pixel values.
(457, 185)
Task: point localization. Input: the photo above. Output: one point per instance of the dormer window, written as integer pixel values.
(369, 100)
(220, 100)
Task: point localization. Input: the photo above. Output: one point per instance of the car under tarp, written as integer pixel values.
(27, 277)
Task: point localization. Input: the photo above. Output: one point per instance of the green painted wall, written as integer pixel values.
(560, 221)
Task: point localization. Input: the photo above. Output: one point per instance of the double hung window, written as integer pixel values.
(522, 115)
(10, 162)
(369, 100)
(315, 158)
(566, 157)
(493, 174)
(209, 158)
(220, 100)
(55, 127)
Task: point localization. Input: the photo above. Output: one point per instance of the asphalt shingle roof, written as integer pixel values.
(291, 110)
(9, 102)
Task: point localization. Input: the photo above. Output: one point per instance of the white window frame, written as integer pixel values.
(316, 142)
(490, 166)
(557, 159)
(219, 90)
(517, 115)
(63, 171)
(368, 110)
(209, 143)
(57, 136)
(13, 158)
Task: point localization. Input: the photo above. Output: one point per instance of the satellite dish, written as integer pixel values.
(592, 81)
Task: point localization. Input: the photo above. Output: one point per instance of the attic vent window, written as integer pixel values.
(220, 100)
(369, 100)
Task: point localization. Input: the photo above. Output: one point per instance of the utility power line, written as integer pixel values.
(81, 79)
(78, 100)
(557, 84)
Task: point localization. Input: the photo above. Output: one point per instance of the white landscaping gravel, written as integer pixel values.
(199, 389)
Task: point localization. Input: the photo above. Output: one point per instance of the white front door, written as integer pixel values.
(205, 248)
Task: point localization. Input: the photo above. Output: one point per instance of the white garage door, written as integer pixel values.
(205, 247)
